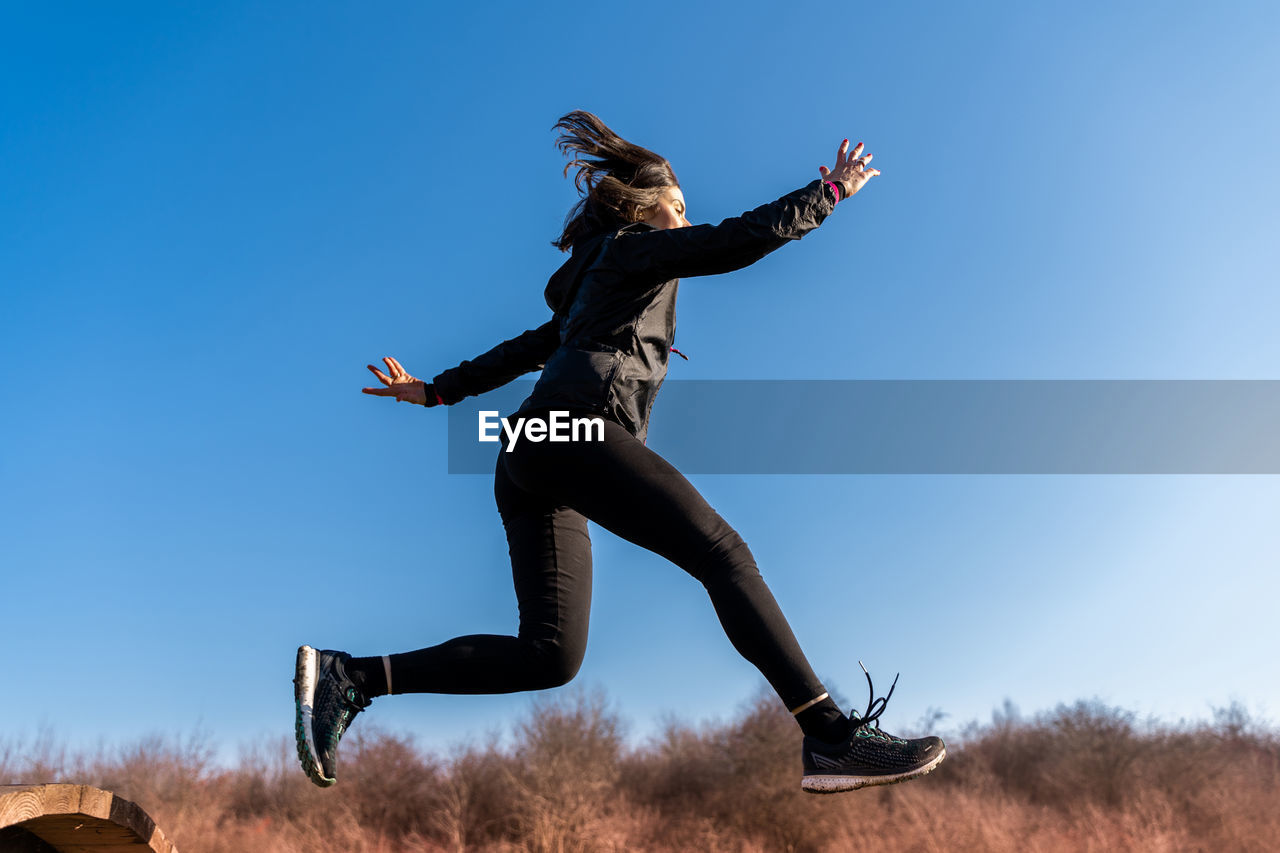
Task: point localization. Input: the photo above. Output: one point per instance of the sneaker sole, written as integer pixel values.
(304, 694)
(820, 784)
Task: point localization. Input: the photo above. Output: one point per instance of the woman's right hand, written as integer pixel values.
(851, 171)
(400, 384)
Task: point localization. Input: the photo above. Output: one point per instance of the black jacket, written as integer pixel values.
(614, 300)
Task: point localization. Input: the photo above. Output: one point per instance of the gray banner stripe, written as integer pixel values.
(940, 426)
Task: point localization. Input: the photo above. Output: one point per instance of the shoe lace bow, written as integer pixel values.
(870, 718)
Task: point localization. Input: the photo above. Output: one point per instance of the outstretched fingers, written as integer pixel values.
(384, 379)
(399, 383)
(396, 370)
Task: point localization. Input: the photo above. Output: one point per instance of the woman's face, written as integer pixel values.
(669, 211)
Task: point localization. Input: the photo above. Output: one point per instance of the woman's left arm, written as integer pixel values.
(742, 240)
(510, 359)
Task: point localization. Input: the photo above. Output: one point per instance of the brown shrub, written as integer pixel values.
(737, 783)
(1081, 777)
(564, 773)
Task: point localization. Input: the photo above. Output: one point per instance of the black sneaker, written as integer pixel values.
(326, 700)
(868, 756)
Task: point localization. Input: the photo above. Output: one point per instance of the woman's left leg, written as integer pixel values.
(634, 493)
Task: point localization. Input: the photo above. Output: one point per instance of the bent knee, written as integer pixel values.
(555, 667)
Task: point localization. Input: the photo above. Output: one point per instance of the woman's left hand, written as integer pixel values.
(852, 171)
(400, 384)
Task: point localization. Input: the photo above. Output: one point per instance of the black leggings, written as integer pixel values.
(546, 492)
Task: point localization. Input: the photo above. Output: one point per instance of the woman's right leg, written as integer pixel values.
(551, 565)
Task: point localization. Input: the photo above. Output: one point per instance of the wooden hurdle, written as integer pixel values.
(74, 819)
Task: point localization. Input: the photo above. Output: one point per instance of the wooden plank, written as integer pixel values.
(78, 833)
(79, 819)
(15, 839)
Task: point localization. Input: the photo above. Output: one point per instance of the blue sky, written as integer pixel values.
(211, 219)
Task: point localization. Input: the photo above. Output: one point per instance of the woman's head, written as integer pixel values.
(667, 211)
(620, 182)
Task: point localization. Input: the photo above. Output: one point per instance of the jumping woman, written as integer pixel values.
(603, 354)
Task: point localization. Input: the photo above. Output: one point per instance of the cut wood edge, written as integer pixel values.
(71, 818)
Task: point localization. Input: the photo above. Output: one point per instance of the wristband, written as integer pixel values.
(835, 189)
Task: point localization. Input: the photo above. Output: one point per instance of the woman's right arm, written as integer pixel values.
(522, 354)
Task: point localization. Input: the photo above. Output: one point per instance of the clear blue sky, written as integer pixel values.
(211, 219)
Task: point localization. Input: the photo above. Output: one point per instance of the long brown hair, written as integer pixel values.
(619, 181)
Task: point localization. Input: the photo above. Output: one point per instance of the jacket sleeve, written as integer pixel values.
(520, 355)
(664, 254)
